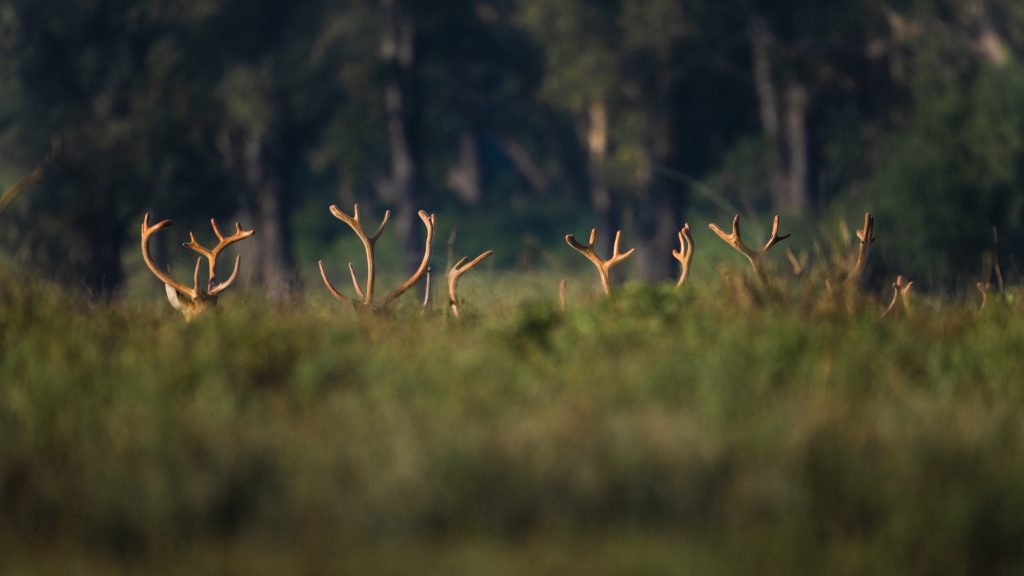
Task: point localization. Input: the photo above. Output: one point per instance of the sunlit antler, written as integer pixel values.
(461, 267)
(603, 266)
(198, 299)
(736, 241)
(866, 236)
(900, 292)
(213, 287)
(685, 253)
(369, 242)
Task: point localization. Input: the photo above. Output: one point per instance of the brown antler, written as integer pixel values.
(685, 253)
(866, 236)
(461, 267)
(198, 299)
(366, 296)
(736, 241)
(214, 288)
(983, 289)
(369, 242)
(901, 292)
(603, 266)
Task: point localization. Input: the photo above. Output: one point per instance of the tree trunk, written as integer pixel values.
(784, 126)
(274, 267)
(797, 197)
(398, 50)
(464, 177)
(597, 165)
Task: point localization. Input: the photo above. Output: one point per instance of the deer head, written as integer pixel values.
(196, 298)
(369, 242)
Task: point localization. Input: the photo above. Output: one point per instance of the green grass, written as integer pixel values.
(664, 432)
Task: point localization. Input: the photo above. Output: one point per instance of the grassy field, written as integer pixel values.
(665, 431)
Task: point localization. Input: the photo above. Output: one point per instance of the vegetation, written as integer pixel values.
(656, 431)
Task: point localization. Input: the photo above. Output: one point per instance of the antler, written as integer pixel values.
(866, 236)
(214, 288)
(685, 253)
(198, 299)
(430, 223)
(369, 242)
(901, 292)
(603, 266)
(461, 267)
(147, 231)
(736, 241)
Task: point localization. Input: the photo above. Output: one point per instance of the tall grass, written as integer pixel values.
(664, 431)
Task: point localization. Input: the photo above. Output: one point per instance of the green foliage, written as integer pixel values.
(659, 428)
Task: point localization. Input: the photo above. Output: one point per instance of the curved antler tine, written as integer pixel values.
(148, 231)
(574, 243)
(380, 229)
(216, 231)
(429, 221)
(231, 279)
(775, 238)
(616, 243)
(476, 260)
(330, 287)
(353, 222)
(352, 272)
(736, 226)
(195, 275)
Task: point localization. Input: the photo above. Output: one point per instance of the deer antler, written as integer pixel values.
(461, 267)
(369, 242)
(901, 292)
(866, 236)
(685, 253)
(214, 288)
(603, 266)
(736, 241)
(983, 289)
(198, 299)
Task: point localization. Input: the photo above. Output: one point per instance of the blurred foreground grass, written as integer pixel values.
(664, 432)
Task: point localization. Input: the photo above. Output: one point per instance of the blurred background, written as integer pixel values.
(517, 121)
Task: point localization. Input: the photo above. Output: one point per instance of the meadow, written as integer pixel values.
(661, 431)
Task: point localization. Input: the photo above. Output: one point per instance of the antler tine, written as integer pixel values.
(685, 253)
(217, 289)
(775, 238)
(380, 229)
(148, 231)
(593, 237)
(617, 255)
(866, 236)
(460, 268)
(330, 287)
(216, 231)
(429, 221)
(355, 282)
